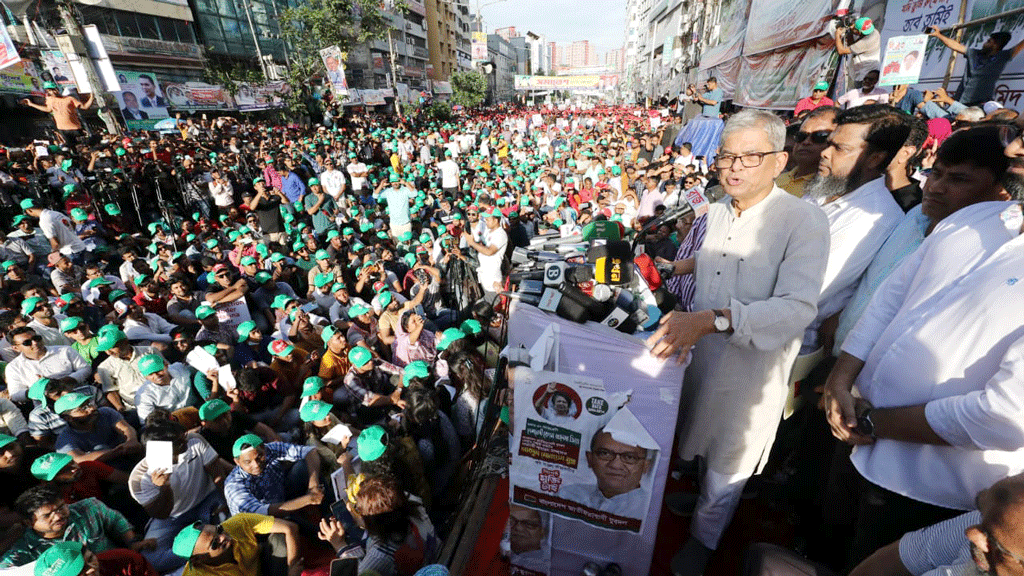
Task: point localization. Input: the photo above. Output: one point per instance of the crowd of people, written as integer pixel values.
(241, 344)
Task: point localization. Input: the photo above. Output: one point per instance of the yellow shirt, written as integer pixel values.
(333, 366)
(242, 528)
(791, 184)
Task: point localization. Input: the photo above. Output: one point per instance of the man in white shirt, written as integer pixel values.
(937, 357)
(119, 374)
(491, 252)
(333, 182)
(222, 192)
(357, 172)
(449, 174)
(178, 496)
(869, 92)
(35, 360)
(850, 188)
(58, 229)
(758, 277)
(167, 386)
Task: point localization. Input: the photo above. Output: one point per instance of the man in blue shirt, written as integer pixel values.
(275, 479)
(710, 99)
(292, 186)
(397, 197)
(984, 65)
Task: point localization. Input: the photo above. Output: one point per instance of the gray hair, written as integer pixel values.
(972, 114)
(748, 119)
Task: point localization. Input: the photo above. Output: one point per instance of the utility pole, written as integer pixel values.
(75, 45)
(394, 74)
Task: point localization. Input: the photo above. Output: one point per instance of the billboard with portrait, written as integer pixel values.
(141, 99)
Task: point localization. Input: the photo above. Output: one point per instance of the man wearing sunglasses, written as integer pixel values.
(817, 99)
(811, 140)
(232, 548)
(36, 360)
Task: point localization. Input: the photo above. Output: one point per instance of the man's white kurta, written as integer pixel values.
(767, 267)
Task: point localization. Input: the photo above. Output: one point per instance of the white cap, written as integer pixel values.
(991, 106)
(625, 428)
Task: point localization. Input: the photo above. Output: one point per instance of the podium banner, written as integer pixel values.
(593, 422)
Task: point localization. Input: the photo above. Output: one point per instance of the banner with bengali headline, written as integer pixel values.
(587, 82)
(778, 80)
(773, 24)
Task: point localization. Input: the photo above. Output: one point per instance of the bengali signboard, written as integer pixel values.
(253, 97)
(912, 17)
(587, 82)
(904, 56)
(21, 78)
(192, 96)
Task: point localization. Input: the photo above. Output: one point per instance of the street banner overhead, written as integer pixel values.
(589, 82)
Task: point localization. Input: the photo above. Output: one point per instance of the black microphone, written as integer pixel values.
(672, 214)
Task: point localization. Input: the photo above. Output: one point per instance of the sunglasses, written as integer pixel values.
(29, 341)
(1010, 132)
(817, 137)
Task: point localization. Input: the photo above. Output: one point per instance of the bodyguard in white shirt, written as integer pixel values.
(333, 182)
(850, 188)
(938, 358)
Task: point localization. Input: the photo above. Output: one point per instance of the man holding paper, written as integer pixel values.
(177, 485)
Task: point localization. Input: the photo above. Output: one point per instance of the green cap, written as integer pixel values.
(244, 329)
(116, 295)
(50, 86)
(262, 277)
(448, 336)
(247, 261)
(280, 301)
(417, 369)
(348, 231)
(18, 219)
(38, 389)
(107, 339)
(323, 279)
(79, 215)
(27, 203)
(47, 466)
(277, 257)
(372, 443)
(29, 305)
(213, 409)
(405, 236)
(311, 386)
(185, 541)
(151, 364)
(359, 356)
(821, 86)
(212, 243)
(471, 326)
(101, 281)
(246, 440)
(112, 209)
(62, 558)
(71, 323)
(233, 235)
(70, 401)
(357, 310)
(328, 333)
(322, 254)
(424, 238)
(494, 214)
(314, 410)
(204, 311)
(6, 439)
(332, 234)
(313, 181)
(385, 298)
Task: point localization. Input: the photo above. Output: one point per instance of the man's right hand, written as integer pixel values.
(24, 101)
(840, 407)
(160, 477)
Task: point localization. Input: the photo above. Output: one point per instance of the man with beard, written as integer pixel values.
(95, 433)
(850, 188)
(119, 374)
(811, 139)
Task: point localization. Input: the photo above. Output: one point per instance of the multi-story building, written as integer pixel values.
(661, 55)
(241, 31)
(615, 59)
(522, 54)
(540, 57)
(501, 83)
(371, 66)
(581, 54)
(464, 34)
(444, 38)
(554, 57)
(508, 33)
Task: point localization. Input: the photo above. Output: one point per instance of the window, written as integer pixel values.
(147, 26)
(232, 29)
(167, 29)
(211, 28)
(186, 31)
(126, 24)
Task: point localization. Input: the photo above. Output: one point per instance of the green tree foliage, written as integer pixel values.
(468, 88)
(229, 75)
(316, 24)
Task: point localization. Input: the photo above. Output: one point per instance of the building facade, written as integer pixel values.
(443, 38)
(501, 83)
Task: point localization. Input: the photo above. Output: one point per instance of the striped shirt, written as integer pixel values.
(939, 545)
(684, 287)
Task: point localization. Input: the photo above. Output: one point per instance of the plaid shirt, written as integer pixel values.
(90, 522)
(247, 493)
(43, 422)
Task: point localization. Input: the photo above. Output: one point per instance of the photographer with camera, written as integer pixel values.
(710, 99)
(862, 42)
